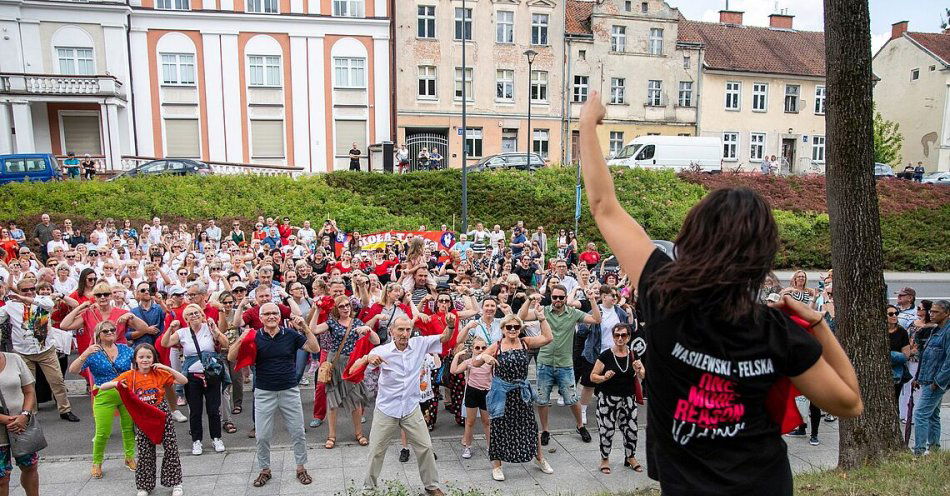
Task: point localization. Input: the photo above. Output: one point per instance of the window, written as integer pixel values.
(580, 89)
(539, 29)
(617, 90)
(473, 141)
(173, 4)
(178, 68)
(505, 84)
(791, 97)
(756, 146)
(733, 92)
(686, 62)
(426, 21)
(628, 6)
(262, 6)
(760, 97)
(427, 82)
(349, 72)
(346, 133)
(914, 74)
(469, 95)
(654, 92)
(265, 70)
(616, 142)
(463, 24)
(656, 41)
(539, 86)
(618, 39)
(819, 100)
(644, 7)
(505, 27)
(348, 8)
(75, 61)
(539, 142)
(730, 145)
(686, 94)
(267, 139)
(81, 132)
(933, 68)
(181, 138)
(818, 149)
(582, 55)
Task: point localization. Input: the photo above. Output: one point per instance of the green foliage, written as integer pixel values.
(888, 140)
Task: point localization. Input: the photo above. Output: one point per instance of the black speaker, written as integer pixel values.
(387, 156)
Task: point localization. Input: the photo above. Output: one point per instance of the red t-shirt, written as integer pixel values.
(91, 318)
(285, 231)
(384, 268)
(252, 317)
(436, 325)
(590, 257)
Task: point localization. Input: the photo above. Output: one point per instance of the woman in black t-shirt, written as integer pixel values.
(898, 342)
(617, 374)
(713, 352)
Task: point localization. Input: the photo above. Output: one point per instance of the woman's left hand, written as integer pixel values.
(17, 424)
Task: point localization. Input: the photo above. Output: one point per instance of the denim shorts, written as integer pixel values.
(562, 377)
(6, 463)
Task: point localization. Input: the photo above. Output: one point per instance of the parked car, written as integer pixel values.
(512, 160)
(29, 167)
(169, 166)
(883, 171)
(942, 178)
(671, 152)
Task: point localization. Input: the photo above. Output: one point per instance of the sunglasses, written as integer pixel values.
(107, 330)
(102, 295)
(143, 290)
(227, 302)
(559, 297)
(621, 335)
(240, 290)
(892, 314)
(444, 300)
(28, 290)
(512, 327)
(477, 348)
(344, 305)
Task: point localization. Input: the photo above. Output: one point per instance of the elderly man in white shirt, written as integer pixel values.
(397, 399)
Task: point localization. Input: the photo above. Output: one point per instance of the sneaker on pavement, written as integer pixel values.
(434, 492)
(363, 421)
(316, 423)
(560, 402)
(544, 466)
(197, 448)
(177, 491)
(404, 455)
(466, 452)
(814, 441)
(585, 435)
(545, 438)
(497, 474)
(218, 445)
(141, 492)
(800, 432)
(830, 418)
(179, 417)
(181, 401)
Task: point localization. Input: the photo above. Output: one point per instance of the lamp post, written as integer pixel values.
(530, 54)
(464, 129)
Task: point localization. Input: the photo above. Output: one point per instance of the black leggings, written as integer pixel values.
(208, 390)
(814, 416)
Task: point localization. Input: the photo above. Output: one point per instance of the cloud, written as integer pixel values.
(878, 40)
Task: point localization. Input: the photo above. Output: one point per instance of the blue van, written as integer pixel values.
(29, 167)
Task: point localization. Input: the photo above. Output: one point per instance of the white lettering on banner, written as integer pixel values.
(702, 361)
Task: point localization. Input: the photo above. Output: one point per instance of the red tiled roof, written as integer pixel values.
(936, 43)
(757, 49)
(578, 17)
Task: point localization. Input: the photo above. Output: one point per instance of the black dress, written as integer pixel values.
(514, 436)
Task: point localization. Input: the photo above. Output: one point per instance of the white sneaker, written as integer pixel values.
(179, 417)
(466, 452)
(218, 445)
(497, 474)
(177, 490)
(560, 402)
(544, 466)
(197, 448)
(141, 492)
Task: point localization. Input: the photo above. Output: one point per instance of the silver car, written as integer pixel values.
(942, 178)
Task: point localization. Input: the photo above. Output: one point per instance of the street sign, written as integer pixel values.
(461, 131)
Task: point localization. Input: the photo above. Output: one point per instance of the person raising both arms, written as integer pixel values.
(708, 333)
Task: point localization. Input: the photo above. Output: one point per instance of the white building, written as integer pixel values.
(285, 82)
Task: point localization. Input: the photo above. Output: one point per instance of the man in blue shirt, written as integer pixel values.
(150, 312)
(518, 241)
(72, 165)
(933, 379)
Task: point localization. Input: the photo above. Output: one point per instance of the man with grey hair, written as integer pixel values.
(933, 377)
(265, 278)
(197, 292)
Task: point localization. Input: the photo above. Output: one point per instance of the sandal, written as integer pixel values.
(131, 464)
(331, 442)
(96, 471)
(236, 410)
(304, 477)
(605, 466)
(362, 440)
(636, 467)
(605, 470)
(229, 427)
(262, 478)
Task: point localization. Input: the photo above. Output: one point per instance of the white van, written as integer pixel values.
(671, 152)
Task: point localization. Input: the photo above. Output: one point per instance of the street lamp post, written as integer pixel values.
(530, 54)
(464, 123)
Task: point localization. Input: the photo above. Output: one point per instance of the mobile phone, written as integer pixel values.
(152, 288)
(773, 298)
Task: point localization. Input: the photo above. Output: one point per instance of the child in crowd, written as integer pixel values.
(477, 385)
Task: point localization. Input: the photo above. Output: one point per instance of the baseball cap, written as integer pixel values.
(176, 290)
(238, 285)
(907, 291)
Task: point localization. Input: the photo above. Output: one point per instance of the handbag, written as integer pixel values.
(30, 441)
(209, 360)
(325, 372)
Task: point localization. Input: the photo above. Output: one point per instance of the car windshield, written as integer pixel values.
(628, 151)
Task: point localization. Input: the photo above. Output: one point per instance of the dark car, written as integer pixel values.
(883, 171)
(510, 161)
(168, 166)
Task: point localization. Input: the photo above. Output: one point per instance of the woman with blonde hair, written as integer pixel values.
(798, 289)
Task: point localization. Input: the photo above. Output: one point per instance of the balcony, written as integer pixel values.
(60, 85)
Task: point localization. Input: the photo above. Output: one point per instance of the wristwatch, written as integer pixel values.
(28, 414)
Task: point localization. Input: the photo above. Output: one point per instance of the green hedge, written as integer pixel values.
(368, 202)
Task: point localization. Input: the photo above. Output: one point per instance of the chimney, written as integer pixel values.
(898, 29)
(781, 21)
(730, 17)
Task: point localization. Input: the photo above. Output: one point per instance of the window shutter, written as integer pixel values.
(348, 132)
(267, 139)
(81, 134)
(182, 138)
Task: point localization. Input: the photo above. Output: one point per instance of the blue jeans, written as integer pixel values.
(562, 377)
(300, 364)
(927, 419)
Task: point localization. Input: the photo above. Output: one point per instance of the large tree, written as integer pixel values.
(856, 231)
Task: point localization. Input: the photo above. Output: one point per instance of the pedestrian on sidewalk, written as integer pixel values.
(148, 379)
(713, 351)
(397, 400)
(933, 379)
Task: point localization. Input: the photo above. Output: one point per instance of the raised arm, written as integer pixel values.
(73, 320)
(626, 238)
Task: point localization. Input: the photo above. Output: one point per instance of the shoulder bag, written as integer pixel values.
(325, 372)
(209, 360)
(30, 441)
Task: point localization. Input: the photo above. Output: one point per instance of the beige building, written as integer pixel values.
(429, 76)
(630, 53)
(762, 91)
(916, 66)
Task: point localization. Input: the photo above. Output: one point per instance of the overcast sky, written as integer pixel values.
(924, 15)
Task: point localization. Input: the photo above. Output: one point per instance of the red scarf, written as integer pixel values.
(362, 348)
(247, 351)
(780, 402)
(148, 418)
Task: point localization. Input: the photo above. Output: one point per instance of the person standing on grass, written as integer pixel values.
(709, 337)
(933, 379)
(397, 399)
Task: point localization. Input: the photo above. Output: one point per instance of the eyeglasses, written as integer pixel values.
(227, 302)
(892, 314)
(107, 330)
(191, 314)
(191, 295)
(444, 300)
(102, 295)
(28, 290)
(183, 273)
(558, 297)
(70, 256)
(621, 335)
(344, 305)
(269, 314)
(512, 327)
(477, 348)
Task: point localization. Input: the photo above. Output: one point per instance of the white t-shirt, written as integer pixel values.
(608, 320)
(205, 341)
(14, 376)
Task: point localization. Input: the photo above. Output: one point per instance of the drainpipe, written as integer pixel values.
(393, 132)
(699, 87)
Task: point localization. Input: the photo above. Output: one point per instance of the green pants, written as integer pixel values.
(103, 409)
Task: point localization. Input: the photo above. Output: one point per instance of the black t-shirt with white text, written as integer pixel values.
(708, 431)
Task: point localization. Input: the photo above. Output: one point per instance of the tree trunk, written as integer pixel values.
(856, 231)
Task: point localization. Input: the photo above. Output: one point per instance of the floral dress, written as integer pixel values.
(514, 436)
(340, 393)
